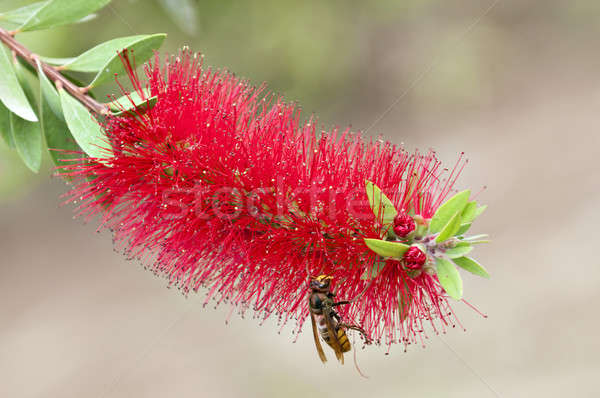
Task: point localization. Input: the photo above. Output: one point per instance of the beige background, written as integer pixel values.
(519, 93)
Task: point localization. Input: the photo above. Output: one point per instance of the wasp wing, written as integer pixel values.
(317, 341)
(333, 336)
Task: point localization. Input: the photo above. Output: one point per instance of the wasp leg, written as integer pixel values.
(358, 329)
(340, 303)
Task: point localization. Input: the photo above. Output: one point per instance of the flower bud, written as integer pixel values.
(403, 224)
(414, 258)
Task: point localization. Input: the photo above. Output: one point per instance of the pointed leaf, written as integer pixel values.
(449, 278)
(377, 199)
(450, 228)
(468, 213)
(57, 61)
(28, 141)
(447, 210)
(50, 94)
(463, 228)
(54, 128)
(480, 210)
(61, 12)
(460, 250)
(11, 92)
(140, 50)
(20, 15)
(472, 266)
(97, 57)
(131, 102)
(84, 128)
(385, 248)
(5, 130)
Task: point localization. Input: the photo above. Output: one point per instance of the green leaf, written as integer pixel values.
(482, 238)
(449, 278)
(49, 93)
(5, 130)
(27, 135)
(61, 12)
(97, 57)
(85, 129)
(28, 141)
(124, 104)
(472, 266)
(11, 92)
(468, 213)
(463, 228)
(20, 15)
(378, 198)
(385, 248)
(57, 61)
(374, 271)
(450, 228)
(480, 210)
(447, 210)
(54, 128)
(459, 250)
(141, 50)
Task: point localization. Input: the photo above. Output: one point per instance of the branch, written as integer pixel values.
(52, 73)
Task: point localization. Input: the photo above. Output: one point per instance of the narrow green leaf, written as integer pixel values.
(11, 92)
(468, 213)
(27, 135)
(57, 61)
(385, 248)
(475, 237)
(463, 228)
(84, 128)
(50, 94)
(472, 266)
(124, 104)
(20, 15)
(141, 50)
(54, 128)
(447, 210)
(460, 250)
(28, 141)
(480, 210)
(449, 278)
(374, 271)
(376, 199)
(97, 57)
(61, 12)
(5, 130)
(451, 227)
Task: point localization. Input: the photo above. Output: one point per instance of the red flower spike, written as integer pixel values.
(414, 258)
(403, 224)
(220, 185)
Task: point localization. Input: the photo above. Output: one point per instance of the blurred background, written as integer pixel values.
(516, 87)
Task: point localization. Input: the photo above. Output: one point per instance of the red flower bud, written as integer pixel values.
(403, 224)
(414, 258)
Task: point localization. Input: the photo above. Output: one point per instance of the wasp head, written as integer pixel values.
(321, 283)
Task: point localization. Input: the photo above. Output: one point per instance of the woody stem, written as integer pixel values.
(52, 73)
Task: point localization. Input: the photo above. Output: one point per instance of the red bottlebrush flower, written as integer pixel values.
(403, 224)
(222, 186)
(414, 258)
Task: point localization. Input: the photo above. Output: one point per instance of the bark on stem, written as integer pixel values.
(52, 73)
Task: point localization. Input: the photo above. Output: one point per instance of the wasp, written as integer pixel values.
(326, 322)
